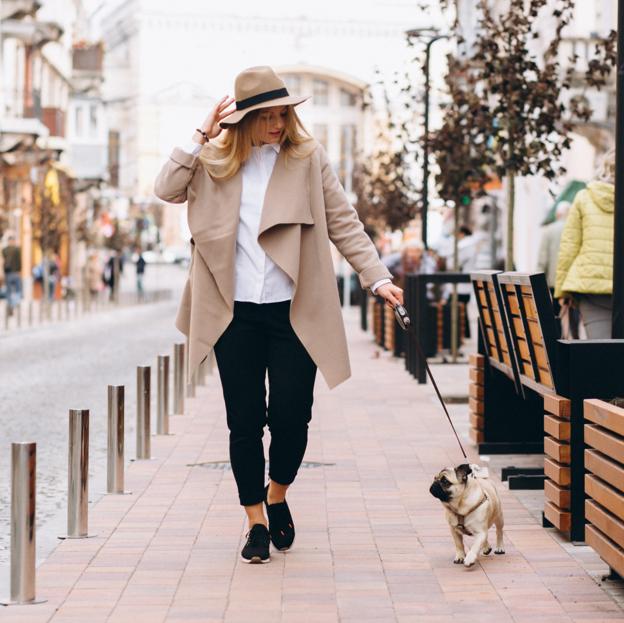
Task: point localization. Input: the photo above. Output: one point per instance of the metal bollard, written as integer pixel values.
(18, 312)
(78, 475)
(41, 311)
(143, 427)
(178, 379)
(30, 313)
(6, 315)
(115, 463)
(162, 425)
(23, 523)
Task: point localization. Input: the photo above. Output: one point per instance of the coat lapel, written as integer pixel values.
(213, 221)
(286, 209)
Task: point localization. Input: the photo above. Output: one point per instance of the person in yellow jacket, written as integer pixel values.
(585, 262)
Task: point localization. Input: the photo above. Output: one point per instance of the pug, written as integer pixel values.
(472, 506)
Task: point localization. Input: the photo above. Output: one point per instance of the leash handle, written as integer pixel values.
(404, 321)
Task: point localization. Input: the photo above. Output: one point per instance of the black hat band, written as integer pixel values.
(261, 97)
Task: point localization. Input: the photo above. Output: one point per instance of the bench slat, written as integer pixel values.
(605, 495)
(605, 468)
(558, 473)
(560, 496)
(607, 523)
(477, 360)
(604, 441)
(607, 549)
(476, 391)
(557, 405)
(477, 421)
(477, 376)
(476, 406)
(556, 427)
(557, 517)
(558, 451)
(604, 414)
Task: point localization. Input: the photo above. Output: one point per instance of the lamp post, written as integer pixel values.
(415, 32)
(618, 225)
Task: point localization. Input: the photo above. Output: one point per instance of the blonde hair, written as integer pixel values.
(605, 171)
(223, 157)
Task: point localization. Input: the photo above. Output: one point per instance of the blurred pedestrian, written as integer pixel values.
(12, 260)
(263, 204)
(54, 274)
(113, 269)
(140, 271)
(94, 275)
(585, 263)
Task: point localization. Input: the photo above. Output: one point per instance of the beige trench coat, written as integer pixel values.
(304, 208)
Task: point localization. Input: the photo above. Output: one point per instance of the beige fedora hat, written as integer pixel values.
(259, 87)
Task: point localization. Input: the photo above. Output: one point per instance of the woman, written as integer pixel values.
(263, 204)
(585, 262)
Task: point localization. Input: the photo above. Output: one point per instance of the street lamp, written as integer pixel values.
(436, 36)
(618, 225)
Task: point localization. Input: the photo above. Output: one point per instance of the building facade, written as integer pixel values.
(534, 195)
(167, 64)
(52, 133)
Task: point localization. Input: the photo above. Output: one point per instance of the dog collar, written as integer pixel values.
(462, 518)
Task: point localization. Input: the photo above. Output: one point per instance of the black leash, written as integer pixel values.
(405, 323)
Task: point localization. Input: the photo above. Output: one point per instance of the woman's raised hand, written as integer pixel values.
(211, 125)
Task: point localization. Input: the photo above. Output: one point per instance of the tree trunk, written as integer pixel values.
(511, 199)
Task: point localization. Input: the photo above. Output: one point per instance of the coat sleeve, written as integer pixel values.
(175, 176)
(571, 239)
(346, 230)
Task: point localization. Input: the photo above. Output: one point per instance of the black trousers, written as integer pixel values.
(260, 339)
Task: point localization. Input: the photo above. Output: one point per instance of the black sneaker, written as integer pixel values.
(281, 525)
(256, 549)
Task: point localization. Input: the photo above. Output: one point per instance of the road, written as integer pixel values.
(47, 371)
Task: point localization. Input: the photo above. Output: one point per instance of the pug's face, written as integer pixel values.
(450, 483)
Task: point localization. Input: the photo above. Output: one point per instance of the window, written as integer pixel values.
(320, 134)
(347, 98)
(293, 84)
(320, 92)
(93, 119)
(78, 121)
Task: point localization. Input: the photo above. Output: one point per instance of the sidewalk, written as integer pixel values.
(372, 544)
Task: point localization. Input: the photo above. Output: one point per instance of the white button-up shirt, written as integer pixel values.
(257, 278)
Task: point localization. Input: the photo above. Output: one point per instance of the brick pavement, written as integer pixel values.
(372, 544)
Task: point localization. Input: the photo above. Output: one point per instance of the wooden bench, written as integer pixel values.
(604, 481)
(563, 373)
(505, 417)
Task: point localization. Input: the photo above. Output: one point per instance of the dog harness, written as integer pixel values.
(462, 518)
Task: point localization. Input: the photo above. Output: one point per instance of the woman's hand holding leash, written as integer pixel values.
(393, 294)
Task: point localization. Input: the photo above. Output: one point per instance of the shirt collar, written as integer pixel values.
(275, 146)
